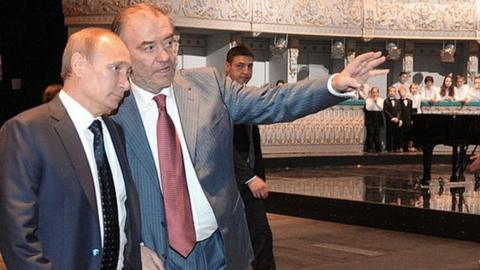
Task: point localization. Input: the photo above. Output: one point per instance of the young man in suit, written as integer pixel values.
(393, 118)
(249, 168)
(406, 117)
(67, 200)
(198, 107)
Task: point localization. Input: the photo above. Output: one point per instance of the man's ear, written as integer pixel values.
(78, 63)
(227, 67)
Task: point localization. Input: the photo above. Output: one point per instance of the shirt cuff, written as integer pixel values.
(250, 180)
(352, 94)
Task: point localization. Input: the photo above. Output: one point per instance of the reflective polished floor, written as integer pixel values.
(306, 244)
(385, 184)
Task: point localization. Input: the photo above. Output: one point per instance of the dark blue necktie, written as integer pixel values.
(111, 236)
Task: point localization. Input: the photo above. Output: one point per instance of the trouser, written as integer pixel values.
(373, 138)
(393, 136)
(207, 254)
(260, 232)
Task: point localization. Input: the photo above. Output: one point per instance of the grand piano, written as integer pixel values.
(448, 123)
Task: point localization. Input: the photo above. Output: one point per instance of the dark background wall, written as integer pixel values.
(32, 37)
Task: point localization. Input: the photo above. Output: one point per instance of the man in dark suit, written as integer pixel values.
(67, 200)
(249, 168)
(198, 107)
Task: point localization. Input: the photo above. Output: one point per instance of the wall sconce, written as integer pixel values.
(447, 54)
(279, 45)
(393, 51)
(338, 50)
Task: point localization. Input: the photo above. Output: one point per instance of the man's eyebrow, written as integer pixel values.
(119, 63)
(145, 43)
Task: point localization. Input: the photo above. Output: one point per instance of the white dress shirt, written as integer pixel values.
(429, 94)
(461, 93)
(416, 102)
(474, 94)
(372, 105)
(203, 216)
(351, 94)
(82, 119)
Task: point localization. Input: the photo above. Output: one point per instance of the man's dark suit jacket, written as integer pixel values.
(48, 208)
(391, 111)
(406, 113)
(241, 141)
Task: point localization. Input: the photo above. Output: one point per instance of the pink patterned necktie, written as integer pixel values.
(181, 231)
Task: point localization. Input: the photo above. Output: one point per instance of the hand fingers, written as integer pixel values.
(353, 84)
(362, 78)
(372, 64)
(366, 57)
(260, 194)
(265, 194)
(365, 62)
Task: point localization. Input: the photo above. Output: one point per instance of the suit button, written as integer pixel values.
(163, 224)
(95, 252)
(164, 256)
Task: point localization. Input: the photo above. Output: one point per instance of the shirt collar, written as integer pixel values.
(78, 114)
(144, 98)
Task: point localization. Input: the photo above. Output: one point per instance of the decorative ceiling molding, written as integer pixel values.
(401, 19)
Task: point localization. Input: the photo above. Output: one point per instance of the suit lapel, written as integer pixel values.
(188, 109)
(136, 136)
(72, 144)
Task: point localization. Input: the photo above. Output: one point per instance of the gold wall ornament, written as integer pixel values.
(426, 15)
(336, 130)
(408, 63)
(472, 67)
(367, 19)
(293, 61)
(312, 12)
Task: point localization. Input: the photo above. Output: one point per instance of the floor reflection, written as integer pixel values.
(387, 184)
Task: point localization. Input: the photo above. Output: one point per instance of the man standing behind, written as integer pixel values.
(402, 82)
(67, 200)
(178, 129)
(249, 168)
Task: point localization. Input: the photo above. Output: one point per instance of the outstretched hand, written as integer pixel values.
(357, 72)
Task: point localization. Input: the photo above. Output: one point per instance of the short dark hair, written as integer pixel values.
(402, 73)
(428, 79)
(459, 77)
(280, 81)
(238, 50)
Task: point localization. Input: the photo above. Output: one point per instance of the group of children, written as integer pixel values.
(402, 102)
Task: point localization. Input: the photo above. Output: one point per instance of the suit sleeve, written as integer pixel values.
(20, 172)
(243, 173)
(272, 104)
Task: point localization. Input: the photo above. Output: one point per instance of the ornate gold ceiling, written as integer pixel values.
(405, 19)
